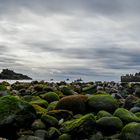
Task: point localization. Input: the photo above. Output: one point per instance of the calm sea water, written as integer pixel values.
(13, 81)
(28, 81)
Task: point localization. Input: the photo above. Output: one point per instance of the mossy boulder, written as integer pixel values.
(89, 90)
(109, 125)
(102, 102)
(3, 87)
(61, 114)
(53, 133)
(137, 91)
(30, 98)
(67, 90)
(38, 87)
(137, 114)
(131, 131)
(65, 137)
(52, 105)
(50, 96)
(14, 113)
(103, 113)
(49, 120)
(126, 116)
(40, 110)
(74, 103)
(41, 102)
(81, 127)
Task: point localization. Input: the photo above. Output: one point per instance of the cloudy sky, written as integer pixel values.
(92, 39)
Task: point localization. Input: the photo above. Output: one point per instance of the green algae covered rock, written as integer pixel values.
(40, 102)
(67, 91)
(109, 124)
(53, 133)
(50, 96)
(83, 126)
(2, 87)
(102, 102)
(40, 110)
(14, 113)
(89, 90)
(52, 105)
(103, 113)
(137, 91)
(131, 131)
(137, 114)
(49, 120)
(126, 116)
(65, 137)
(74, 103)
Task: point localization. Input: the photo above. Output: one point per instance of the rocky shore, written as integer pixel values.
(70, 111)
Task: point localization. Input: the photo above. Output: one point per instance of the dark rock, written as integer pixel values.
(97, 136)
(43, 134)
(65, 137)
(38, 124)
(135, 109)
(13, 115)
(9, 74)
(61, 114)
(130, 101)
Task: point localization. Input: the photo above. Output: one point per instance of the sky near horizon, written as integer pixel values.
(59, 39)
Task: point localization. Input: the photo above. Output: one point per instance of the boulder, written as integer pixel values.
(109, 125)
(49, 120)
(38, 124)
(81, 127)
(103, 113)
(50, 96)
(65, 137)
(74, 103)
(43, 134)
(126, 116)
(102, 102)
(131, 131)
(13, 115)
(61, 114)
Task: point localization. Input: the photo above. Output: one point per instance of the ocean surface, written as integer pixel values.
(28, 81)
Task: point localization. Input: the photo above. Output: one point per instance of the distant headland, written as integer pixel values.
(11, 75)
(131, 78)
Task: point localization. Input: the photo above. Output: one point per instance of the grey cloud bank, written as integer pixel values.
(93, 39)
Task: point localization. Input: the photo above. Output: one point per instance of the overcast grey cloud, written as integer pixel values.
(92, 39)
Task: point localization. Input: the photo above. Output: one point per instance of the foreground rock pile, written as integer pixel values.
(70, 111)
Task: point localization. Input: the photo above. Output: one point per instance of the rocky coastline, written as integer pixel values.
(70, 111)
